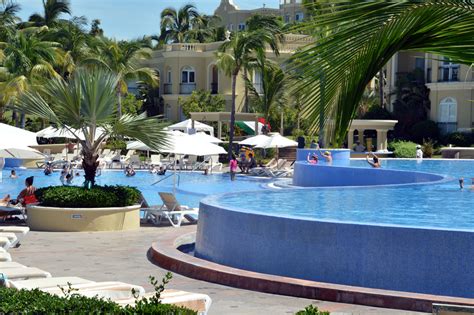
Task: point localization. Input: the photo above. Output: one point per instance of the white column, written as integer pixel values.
(350, 139)
(219, 129)
(256, 127)
(381, 140)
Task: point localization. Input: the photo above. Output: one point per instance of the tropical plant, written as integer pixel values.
(176, 25)
(206, 28)
(52, 9)
(233, 55)
(273, 87)
(8, 19)
(29, 61)
(96, 30)
(202, 101)
(361, 37)
(86, 104)
(123, 58)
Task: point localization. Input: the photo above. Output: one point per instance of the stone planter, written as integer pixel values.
(53, 219)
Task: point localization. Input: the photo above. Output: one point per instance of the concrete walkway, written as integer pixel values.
(122, 256)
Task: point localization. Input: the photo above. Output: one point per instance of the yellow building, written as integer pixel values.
(234, 18)
(183, 68)
(451, 88)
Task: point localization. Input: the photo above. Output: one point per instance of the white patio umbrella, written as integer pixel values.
(15, 142)
(255, 141)
(191, 145)
(205, 137)
(186, 125)
(68, 133)
(277, 141)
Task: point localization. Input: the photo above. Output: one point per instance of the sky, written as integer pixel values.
(128, 19)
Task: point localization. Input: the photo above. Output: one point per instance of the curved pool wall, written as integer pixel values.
(431, 261)
(339, 173)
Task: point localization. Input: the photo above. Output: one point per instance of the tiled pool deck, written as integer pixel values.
(108, 256)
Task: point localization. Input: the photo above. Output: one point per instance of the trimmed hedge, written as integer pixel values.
(14, 301)
(403, 149)
(96, 197)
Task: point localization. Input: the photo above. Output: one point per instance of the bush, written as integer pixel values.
(459, 139)
(377, 112)
(424, 130)
(14, 301)
(428, 148)
(312, 310)
(116, 145)
(96, 197)
(403, 149)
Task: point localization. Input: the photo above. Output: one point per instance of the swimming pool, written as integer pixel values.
(191, 189)
(415, 237)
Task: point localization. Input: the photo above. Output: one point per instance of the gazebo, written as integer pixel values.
(224, 117)
(380, 126)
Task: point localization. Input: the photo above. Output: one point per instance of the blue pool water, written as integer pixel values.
(440, 205)
(191, 189)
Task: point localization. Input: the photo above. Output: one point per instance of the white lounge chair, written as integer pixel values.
(172, 211)
(260, 171)
(10, 264)
(22, 230)
(197, 302)
(24, 273)
(155, 160)
(40, 283)
(108, 290)
(134, 160)
(5, 242)
(11, 237)
(5, 256)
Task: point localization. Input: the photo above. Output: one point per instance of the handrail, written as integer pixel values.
(167, 178)
(196, 166)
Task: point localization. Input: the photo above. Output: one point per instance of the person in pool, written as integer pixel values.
(375, 163)
(233, 167)
(312, 159)
(327, 156)
(129, 171)
(13, 174)
(48, 169)
(162, 170)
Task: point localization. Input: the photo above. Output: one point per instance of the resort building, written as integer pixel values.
(234, 18)
(185, 67)
(451, 88)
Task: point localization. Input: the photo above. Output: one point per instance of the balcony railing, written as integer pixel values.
(187, 88)
(214, 88)
(447, 127)
(167, 88)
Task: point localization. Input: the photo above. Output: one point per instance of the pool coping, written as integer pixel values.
(165, 254)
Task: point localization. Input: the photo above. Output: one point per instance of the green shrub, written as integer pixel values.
(115, 144)
(377, 112)
(96, 197)
(14, 301)
(459, 139)
(403, 149)
(428, 148)
(312, 310)
(424, 130)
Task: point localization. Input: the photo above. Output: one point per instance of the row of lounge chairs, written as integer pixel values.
(171, 210)
(274, 168)
(19, 276)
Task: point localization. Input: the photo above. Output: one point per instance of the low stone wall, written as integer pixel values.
(421, 260)
(83, 219)
(457, 153)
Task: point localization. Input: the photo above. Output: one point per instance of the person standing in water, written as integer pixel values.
(233, 167)
(375, 163)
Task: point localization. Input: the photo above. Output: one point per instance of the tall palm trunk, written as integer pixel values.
(89, 164)
(14, 118)
(246, 92)
(119, 104)
(232, 116)
(382, 103)
(22, 121)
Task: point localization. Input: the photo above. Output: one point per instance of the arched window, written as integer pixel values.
(447, 110)
(188, 75)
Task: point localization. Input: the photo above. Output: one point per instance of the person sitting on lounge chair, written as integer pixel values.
(251, 163)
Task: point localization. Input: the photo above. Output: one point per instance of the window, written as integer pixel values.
(168, 77)
(298, 1)
(287, 18)
(448, 110)
(449, 71)
(420, 63)
(188, 75)
(241, 26)
(299, 17)
(231, 27)
(257, 82)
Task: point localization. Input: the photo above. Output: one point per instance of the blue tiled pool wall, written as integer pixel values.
(340, 173)
(308, 175)
(387, 257)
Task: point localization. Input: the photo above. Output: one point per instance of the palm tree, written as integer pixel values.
(29, 60)
(231, 59)
(8, 19)
(206, 28)
(274, 86)
(176, 26)
(123, 58)
(362, 38)
(52, 9)
(87, 103)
